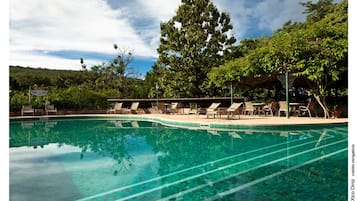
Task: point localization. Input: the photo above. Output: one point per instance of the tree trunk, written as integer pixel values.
(323, 106)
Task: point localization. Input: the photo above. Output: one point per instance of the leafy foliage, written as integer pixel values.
(316, 50)
(85, 89)
(191, 43)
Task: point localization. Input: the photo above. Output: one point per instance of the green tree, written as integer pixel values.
(324, 59)
(154, 81)
(253, 63)
(117, 73)
(316, 50)
(191, 43)
(317, 11)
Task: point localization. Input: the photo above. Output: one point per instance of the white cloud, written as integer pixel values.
(50, 62)
(161, 10)
(240, 15)
(155, 11)
(260, 15)
(82, 25)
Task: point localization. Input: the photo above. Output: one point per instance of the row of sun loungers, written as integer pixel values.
(212, 111)
(249, 108)
(118, 109)
(28, 109)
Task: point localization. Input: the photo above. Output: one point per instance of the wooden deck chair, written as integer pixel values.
(27, 109)
(173, 108)
(233, 109)
(50, 109)
(133, 108)
(212, 110)
(282, 108)
(117, 109)
(249, 108)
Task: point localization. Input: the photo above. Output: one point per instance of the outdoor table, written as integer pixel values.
(39, 111)
(258, 107)
(166, 107)
(295, 107)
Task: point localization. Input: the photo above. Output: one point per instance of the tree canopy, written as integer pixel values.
(191, 44)
(315, 50)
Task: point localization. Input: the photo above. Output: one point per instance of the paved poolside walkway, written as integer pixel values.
(248, 120)
(243, 120)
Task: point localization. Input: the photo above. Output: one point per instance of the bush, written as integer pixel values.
(17, 99)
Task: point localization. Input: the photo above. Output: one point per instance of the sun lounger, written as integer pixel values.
(117, 109)
(232, 110)
(133, 109)
(212, 110)
(249, 108)
(27, 109)
(50, 109)
(173, 108)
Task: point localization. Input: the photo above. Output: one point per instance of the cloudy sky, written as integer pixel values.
(56, 33)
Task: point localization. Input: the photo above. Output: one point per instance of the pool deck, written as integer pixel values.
(249, 120)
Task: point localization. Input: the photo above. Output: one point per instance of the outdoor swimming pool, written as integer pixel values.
(109, 159)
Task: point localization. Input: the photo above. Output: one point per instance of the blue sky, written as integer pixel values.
(56, 34)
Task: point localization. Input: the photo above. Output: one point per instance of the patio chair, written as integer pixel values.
(232, 110)
(212, 110)
(267, 109)
(50, 109)
(27, 109)
(117, 109)
(195, 109)
(133, 108)
(282, 108)
(249, 108)
(173, 108)
(305, 109)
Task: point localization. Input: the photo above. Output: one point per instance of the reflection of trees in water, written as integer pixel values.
(30, 133)
(100, 137)
(176, 149)
(90, 136)
(182, 148)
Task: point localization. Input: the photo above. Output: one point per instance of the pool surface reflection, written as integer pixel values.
(108, 159)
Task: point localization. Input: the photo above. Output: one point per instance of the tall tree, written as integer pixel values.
(153, 81)
(115, 73)
(191, 43)
(324, 58)
(316, 50)
(317, 11)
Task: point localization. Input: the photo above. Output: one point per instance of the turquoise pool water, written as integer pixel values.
(109, 159)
